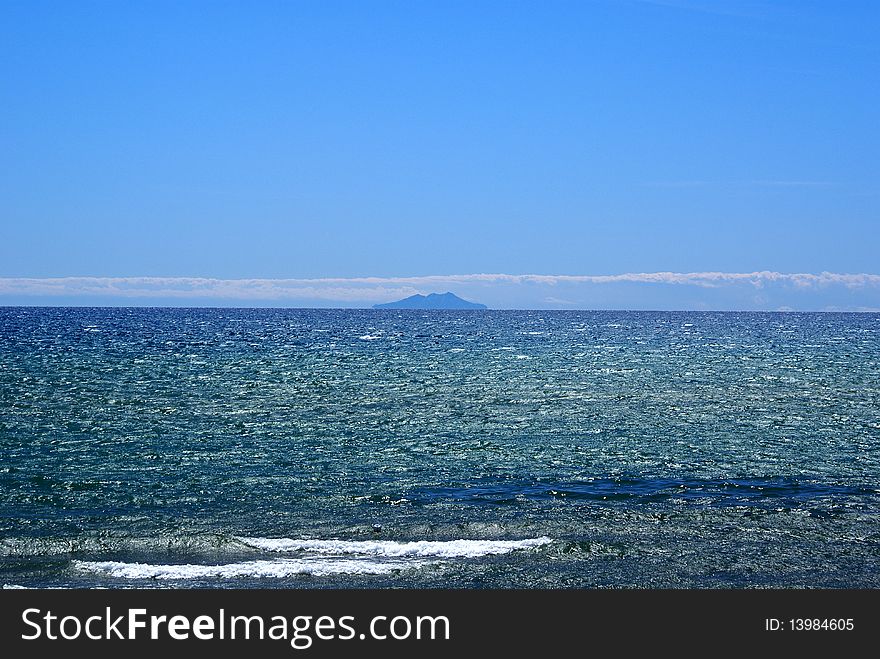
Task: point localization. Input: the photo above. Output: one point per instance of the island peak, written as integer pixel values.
(432, 301)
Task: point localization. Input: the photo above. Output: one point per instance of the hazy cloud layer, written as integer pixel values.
(768, 289)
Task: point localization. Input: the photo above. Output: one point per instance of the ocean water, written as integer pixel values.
(355, 448)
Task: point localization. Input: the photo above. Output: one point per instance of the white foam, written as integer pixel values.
(283, 567)
(392, 549)
(369, 337)
(12, 586)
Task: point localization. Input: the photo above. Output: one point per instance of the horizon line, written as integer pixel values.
(708, 290)
(830, 310)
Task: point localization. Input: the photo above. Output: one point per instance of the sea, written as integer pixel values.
(301, 448)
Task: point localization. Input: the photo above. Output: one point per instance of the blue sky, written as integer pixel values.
(307, 141)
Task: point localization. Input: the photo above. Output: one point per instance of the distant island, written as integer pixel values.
(432, 301)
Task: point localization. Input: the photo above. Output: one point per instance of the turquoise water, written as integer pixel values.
(355, 448)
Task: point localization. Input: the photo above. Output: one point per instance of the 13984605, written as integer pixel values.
(817, 624)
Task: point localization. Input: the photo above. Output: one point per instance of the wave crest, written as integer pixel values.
(394, 549)
(278, 568)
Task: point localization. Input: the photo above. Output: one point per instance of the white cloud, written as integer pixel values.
(197, 287)
(380, 289)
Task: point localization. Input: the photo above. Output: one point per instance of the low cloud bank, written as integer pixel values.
(747, 290)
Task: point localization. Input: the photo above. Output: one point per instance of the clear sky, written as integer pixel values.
(386, 139)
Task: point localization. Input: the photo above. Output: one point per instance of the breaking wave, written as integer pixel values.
(392, 549)
(278, 568)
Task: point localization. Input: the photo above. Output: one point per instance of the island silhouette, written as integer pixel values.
(433, 301)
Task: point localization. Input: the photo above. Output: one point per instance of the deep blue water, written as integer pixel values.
(355, 448)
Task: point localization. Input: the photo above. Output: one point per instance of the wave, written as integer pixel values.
(278, 568)
(178, 541)
(213, 543)
(761, 492)
(327, 558)
(392, 549)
